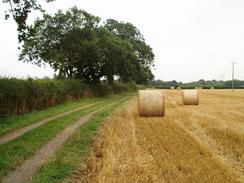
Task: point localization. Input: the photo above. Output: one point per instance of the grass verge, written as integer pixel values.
(11, 123)
(14, 152)
(59, 166)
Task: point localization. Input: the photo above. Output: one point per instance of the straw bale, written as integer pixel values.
(190, 97)
(151, 103)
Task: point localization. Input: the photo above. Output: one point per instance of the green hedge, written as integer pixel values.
(100, 90)
(21, 96)
(18, 96)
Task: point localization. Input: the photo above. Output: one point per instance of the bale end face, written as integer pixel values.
(190, 97)
(151, 103)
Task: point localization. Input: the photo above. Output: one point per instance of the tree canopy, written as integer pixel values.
(19, 10)
(77, 45)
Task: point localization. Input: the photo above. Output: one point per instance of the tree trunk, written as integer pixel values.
(110, 79)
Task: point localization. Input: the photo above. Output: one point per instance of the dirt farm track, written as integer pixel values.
(203, 143)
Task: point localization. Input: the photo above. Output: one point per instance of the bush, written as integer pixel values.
(104, 89)
(18, 96)
(21, 96)
(100, 90)
(162, 87)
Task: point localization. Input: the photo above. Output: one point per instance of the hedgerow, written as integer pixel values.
(19, 96)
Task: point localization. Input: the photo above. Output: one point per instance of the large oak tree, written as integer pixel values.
(75, 44)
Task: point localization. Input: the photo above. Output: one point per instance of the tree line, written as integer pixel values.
(78, 46)
(200, 83)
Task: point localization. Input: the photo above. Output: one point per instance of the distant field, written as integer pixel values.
(202, 143)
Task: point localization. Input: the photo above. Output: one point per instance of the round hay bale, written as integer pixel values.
(190, 97)
(172, 87)
(178, 88)
(151, 103)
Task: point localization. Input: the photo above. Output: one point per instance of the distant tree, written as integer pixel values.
(202, 82)
(157, 82)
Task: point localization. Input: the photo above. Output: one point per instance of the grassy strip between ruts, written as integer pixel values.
(59, 166)
(14, 152)
(11, 123)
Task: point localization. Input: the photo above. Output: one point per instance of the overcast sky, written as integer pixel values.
(191, 39)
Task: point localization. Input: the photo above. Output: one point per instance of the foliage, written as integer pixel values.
(77, 46)
(19, 96)
(115, 88)
(201, 83)
(140, 57)
(19, 10)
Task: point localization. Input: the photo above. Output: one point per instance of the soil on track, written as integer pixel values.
(202, 143)
(16, 133)
(25, 171)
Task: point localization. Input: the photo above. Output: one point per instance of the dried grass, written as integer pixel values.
(151, 103)
(187, 145)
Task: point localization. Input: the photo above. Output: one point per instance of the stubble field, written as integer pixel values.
(203, 143)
